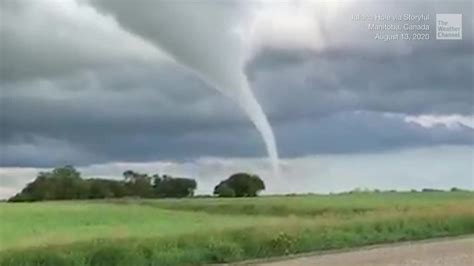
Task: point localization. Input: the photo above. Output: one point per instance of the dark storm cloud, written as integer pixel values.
(55, 38)
(91, 137)
(352, 71)
(77, 88)
(435, 83)
(122, 114)
(364, 132)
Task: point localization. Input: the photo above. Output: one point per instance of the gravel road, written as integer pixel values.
(450, 252)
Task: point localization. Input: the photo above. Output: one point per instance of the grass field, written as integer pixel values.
(214, 230)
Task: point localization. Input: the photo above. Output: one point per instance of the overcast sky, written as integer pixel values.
(94, 84)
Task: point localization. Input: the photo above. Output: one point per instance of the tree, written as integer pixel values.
(129, 175)
(137, 184)
(242, 184)
(65, 183)
(175, 187)
(223, 190)
(118, 188)
(60, 184)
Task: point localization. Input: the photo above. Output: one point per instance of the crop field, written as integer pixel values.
(198, 231)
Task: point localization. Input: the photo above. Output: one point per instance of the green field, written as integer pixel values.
(214, 230)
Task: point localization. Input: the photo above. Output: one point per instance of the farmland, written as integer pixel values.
(196, 231)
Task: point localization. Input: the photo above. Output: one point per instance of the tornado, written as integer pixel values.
(207, 39)
(249, 103)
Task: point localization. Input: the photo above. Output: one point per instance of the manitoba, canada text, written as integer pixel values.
(397, 27)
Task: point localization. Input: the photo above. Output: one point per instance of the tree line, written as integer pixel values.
(66, 183)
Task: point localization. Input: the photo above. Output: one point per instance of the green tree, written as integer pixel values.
(175, 187)
(60, 184)
(243, 185)
(137, 184)
(98, 189)
(223, 190)
(65, 183)
(129, 175)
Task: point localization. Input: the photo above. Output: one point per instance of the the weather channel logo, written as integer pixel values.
(449, 26)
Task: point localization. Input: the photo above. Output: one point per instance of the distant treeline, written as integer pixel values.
(66, 183)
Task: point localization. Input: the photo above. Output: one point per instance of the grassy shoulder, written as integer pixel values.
(153, 233)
